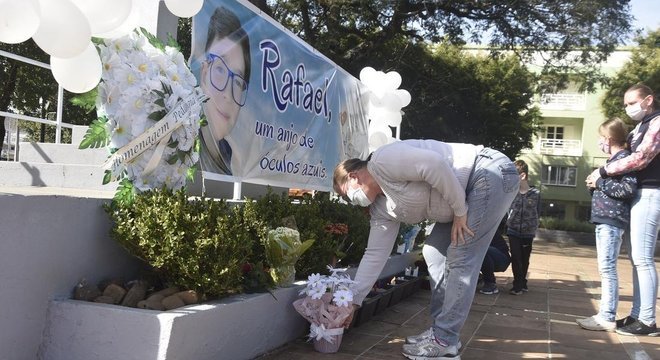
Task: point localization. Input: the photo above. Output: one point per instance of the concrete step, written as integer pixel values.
(60, 153)
(21, 174)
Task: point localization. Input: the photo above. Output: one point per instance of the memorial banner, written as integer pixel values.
(279, 112)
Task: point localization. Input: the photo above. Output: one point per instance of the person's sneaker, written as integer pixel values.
(625, 321)
(525, 289)
(638, 328)
(430, 349)
(515, 291)
(414, 339)
(489, 289)
(596, 323)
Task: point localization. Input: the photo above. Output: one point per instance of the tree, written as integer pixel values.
(568, 32)
(644, 66)
(463, 97)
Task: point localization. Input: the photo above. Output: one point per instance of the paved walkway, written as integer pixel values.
(564, 285)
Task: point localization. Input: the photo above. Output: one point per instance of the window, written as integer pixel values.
(559, 175)
(554, 132)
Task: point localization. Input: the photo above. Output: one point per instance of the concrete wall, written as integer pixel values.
(47, 243)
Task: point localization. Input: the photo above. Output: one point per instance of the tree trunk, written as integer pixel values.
(5, 99)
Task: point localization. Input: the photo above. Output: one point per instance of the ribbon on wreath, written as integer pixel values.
(319, 332)
(157, 135)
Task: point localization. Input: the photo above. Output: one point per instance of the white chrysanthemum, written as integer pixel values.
(316, 292)
(342, 297)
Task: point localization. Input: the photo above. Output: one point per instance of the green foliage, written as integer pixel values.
(644, 66)
(197, 244)
(283, 248)
(311, 216)
(552, 223)
(97, 135)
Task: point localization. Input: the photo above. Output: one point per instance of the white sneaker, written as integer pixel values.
(427, 334)
(596, 323)
(430, 349)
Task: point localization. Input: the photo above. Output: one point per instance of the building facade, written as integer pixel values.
(566, 149)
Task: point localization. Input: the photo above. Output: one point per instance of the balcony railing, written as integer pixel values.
(560, 147)
(575, 102)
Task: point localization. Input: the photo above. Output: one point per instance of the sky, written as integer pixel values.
(646, 13)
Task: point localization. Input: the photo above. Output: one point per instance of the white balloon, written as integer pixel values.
(382, 115)
(392, 80)
(367, 73)
(19, 20)
(404, 97)
(377, 140)
(377, 126)
(391, 101)
(184, 8)
(80, 73)
(64, 31)
(104, 15)
(128, 25)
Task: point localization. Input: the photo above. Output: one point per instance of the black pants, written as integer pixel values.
(494, 261)
(521, 250)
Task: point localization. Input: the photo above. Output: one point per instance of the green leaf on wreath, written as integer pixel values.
(107, 177)
(157, 115)
(172, 159)
(171, 41)
(160, 102)
(152, 39)
(125, 193)
(190, 173)
(203, 121)
(197, 146)
(173, 144)
(97, 135)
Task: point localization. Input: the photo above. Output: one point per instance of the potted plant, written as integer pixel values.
(283, 248)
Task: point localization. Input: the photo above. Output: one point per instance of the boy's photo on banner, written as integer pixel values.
(279, 112)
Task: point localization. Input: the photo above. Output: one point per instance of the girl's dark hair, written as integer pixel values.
(225, 24)
(645, 91)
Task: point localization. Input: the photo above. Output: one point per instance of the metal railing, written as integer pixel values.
(60, 101)
(560, 147)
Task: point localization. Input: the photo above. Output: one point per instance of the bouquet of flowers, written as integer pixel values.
(327, 304)
(149, 113)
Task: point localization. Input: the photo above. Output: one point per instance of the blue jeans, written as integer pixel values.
(608, 244)
(494, 261)
(644, 216)
(454, 270)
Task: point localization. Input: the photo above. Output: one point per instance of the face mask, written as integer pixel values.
(635, 111)
(358, 197)
(604, 146)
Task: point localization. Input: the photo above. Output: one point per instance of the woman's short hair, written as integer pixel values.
(342, 170)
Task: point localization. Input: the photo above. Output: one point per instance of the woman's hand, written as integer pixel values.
(349, 319)
(458, 230)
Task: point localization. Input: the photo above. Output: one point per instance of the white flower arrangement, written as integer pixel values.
(142, 82)
(327, 303)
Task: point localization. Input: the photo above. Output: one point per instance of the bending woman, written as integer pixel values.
(465, 189)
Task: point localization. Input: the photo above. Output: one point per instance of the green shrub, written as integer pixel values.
(552, 223)
(197, 244)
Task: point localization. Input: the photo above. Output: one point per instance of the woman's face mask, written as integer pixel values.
(635, 110)
(358, 197)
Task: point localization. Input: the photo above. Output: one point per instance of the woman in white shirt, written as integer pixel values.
(466, 189)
